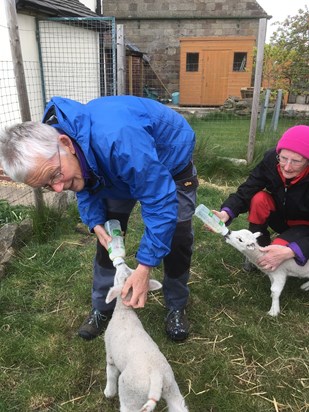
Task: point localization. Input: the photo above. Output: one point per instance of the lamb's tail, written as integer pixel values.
(154, 393)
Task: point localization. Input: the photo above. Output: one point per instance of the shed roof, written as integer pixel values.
(56, 8)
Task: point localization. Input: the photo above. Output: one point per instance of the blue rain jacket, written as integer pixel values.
(134, 146)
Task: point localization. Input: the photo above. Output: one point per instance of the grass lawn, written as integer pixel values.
(226, 135)
(236, 359)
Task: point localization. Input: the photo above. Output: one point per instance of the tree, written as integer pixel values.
(276, 67)
(289, 49)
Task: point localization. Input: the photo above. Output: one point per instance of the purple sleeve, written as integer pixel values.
(300, 259)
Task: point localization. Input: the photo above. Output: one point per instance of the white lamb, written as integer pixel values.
(134, 361)
(245, 241)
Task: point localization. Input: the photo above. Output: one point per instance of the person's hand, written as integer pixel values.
(102, 235)
(273, 256)
(138, 282)
(223, 215)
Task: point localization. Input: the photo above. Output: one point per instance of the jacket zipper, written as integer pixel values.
(285, 192)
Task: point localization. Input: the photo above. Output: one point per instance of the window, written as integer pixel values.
(192, 62)
(240, 61)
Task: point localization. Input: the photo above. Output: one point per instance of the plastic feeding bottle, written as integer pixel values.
(116, 249)
(211, 220)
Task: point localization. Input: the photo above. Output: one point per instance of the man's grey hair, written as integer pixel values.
(22, 144)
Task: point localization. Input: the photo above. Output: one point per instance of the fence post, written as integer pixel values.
(275, 118)
(19, 73)
(264, 108)
(257, 88)
(121, 61)
(17, 60)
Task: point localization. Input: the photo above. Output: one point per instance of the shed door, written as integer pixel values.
(214, 77)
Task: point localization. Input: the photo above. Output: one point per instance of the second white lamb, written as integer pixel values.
(135, 366)
(246, 242)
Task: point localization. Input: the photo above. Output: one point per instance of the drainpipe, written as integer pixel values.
(98, 9)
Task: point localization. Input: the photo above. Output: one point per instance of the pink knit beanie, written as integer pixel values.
(296, 139)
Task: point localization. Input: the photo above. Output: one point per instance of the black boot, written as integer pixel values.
(95, 324)
(248, 266)
(177, 325)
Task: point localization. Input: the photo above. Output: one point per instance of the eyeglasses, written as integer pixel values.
(56, 178)
(296, 164)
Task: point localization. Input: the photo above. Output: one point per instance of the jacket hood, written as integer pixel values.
(72, 118)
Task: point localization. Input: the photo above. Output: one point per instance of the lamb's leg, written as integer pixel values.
(174, 399)
(277, 284)
(112, 374)
(305, 286)
(131, 390)
(148, 406)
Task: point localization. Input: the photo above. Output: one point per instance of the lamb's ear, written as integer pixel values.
(154, 284)
(113, 293)
(257, 234)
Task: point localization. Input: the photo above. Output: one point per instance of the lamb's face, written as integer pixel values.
(243, 240)
(122, 274)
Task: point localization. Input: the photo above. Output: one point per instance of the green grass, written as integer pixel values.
(221, 136)
(228, 135)
(12, 214)
(236, 359)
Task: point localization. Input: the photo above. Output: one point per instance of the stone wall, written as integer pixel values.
(155, 27)
(184, 8)
(12, 238)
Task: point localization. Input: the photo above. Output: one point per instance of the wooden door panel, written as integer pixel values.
(214, 77)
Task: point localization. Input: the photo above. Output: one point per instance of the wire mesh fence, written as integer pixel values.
(13, 193)
(76, 58)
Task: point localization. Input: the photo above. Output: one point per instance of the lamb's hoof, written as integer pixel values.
(305, 286)
(273, 313)
(108, 393)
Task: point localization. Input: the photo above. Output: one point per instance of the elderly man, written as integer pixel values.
(113, 152)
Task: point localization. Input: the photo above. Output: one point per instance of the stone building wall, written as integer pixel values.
(182, 8)
(155, 27)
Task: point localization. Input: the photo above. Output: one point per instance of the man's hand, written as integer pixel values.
(274, 255)
(138, 282)
(102, 236)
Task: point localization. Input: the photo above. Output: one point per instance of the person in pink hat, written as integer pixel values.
(276, 197)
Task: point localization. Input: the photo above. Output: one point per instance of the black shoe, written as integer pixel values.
(177, 325)
(248, 266)
(95, 324)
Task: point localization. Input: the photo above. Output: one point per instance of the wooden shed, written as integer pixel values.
(213, 68)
